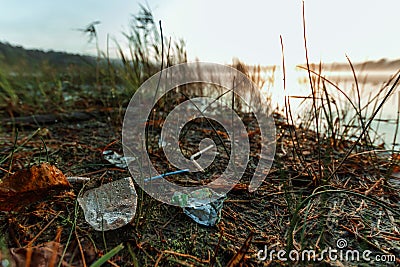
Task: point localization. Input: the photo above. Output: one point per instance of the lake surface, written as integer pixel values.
(373, 86)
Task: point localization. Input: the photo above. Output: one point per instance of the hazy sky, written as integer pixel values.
(218, 30)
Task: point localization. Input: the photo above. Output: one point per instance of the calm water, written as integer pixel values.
(370, 84)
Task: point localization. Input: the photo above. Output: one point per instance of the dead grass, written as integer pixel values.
(288, 211)
(324, 185)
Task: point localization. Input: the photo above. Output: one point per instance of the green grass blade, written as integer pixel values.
(108, 256)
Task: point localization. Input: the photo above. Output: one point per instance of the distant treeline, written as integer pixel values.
(16, 59)
(379, 65)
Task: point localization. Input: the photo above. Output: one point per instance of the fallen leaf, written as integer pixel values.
(40, 256)
(48, 254)
(28, 186)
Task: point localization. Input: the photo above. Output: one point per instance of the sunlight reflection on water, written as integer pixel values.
(370, 83)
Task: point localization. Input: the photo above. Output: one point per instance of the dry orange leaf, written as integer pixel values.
(27, 186)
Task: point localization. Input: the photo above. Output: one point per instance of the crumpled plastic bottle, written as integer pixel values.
(203, 206)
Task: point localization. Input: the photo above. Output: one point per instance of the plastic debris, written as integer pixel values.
(78, 179)
(111, 205)
(116, 159)
(203, 206)
(162, 143)
(27, 186)
(192, 158)
(164, 175)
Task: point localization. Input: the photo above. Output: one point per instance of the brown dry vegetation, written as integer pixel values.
(321, 187)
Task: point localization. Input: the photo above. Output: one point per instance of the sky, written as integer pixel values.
(217, 31)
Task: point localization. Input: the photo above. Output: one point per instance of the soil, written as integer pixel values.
(274, 217)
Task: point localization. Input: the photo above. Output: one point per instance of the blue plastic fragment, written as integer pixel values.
(165, 174)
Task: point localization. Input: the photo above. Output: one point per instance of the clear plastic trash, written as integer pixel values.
(203, 206)
(111, 205)
(116, 159)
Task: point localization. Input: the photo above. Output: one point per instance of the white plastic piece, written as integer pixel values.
(198, 154)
